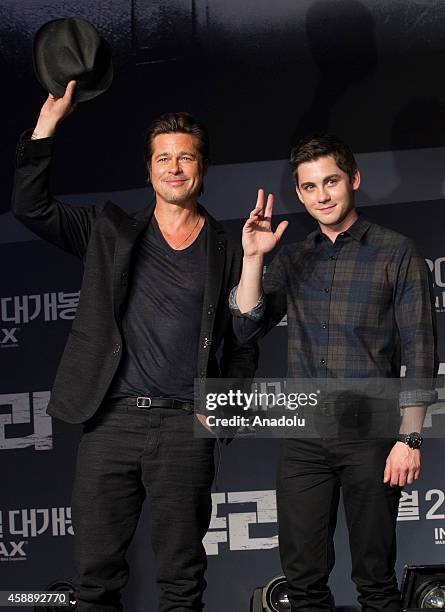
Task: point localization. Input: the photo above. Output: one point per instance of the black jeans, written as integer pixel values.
(310, 475)
(124, 455)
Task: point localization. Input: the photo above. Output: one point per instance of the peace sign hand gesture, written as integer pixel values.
(258, 237)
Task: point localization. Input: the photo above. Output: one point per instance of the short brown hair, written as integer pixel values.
(170, 123)
(321, 145)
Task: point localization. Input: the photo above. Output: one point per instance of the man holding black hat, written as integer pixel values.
(151, 317)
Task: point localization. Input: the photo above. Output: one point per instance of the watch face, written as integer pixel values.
(414, 440)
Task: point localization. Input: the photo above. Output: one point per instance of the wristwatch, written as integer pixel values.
(413, 440)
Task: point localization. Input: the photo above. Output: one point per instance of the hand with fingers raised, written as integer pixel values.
(258, 239)
(53, 111)
(258, 236)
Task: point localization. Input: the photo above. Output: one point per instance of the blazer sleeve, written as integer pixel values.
(65, 226)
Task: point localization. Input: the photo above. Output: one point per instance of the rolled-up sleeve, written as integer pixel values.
(247, 325)
(416, 323)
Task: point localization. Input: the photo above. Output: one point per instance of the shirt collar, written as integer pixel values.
(357, 230)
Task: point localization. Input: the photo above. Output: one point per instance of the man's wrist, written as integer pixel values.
(41, 134)
(257, 258)
(413, 440)
(43, 130)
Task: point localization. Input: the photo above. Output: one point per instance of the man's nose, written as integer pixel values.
(323, 195)
(175, 166)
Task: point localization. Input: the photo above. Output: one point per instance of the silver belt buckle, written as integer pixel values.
(140, 402)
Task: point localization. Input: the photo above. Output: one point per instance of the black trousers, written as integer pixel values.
(311, 473)
(126, 454)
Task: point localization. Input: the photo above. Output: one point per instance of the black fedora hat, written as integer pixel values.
(72, 49)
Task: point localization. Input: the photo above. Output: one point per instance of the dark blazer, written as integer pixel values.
(103, 237)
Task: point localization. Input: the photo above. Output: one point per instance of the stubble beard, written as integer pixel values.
(177, 198)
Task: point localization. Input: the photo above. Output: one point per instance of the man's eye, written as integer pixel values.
(332, 181)
(186, 158)
(162, 159)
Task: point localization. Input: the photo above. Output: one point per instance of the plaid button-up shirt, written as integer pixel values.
(360, 307)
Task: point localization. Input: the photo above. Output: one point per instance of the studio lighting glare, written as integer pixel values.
(423, 587)
(271, 598)
(433, 596)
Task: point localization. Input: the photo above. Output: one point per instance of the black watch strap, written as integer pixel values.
(413, 440)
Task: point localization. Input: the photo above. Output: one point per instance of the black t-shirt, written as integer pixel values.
(163, 319)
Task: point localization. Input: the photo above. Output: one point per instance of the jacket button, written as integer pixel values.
(116, 350)
(210, 309)
(206, 343)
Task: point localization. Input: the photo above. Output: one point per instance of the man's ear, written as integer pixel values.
(356, 180)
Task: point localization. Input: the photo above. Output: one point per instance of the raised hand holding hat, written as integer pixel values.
(53, 111)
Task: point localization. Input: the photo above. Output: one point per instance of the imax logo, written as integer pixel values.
(12, 551)
(8, 337)
(439, 535)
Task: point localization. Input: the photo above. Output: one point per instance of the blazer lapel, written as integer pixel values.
(216, 258)
(129, 231)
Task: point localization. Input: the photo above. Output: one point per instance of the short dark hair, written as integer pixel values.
(170, 123)
(321, 145)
